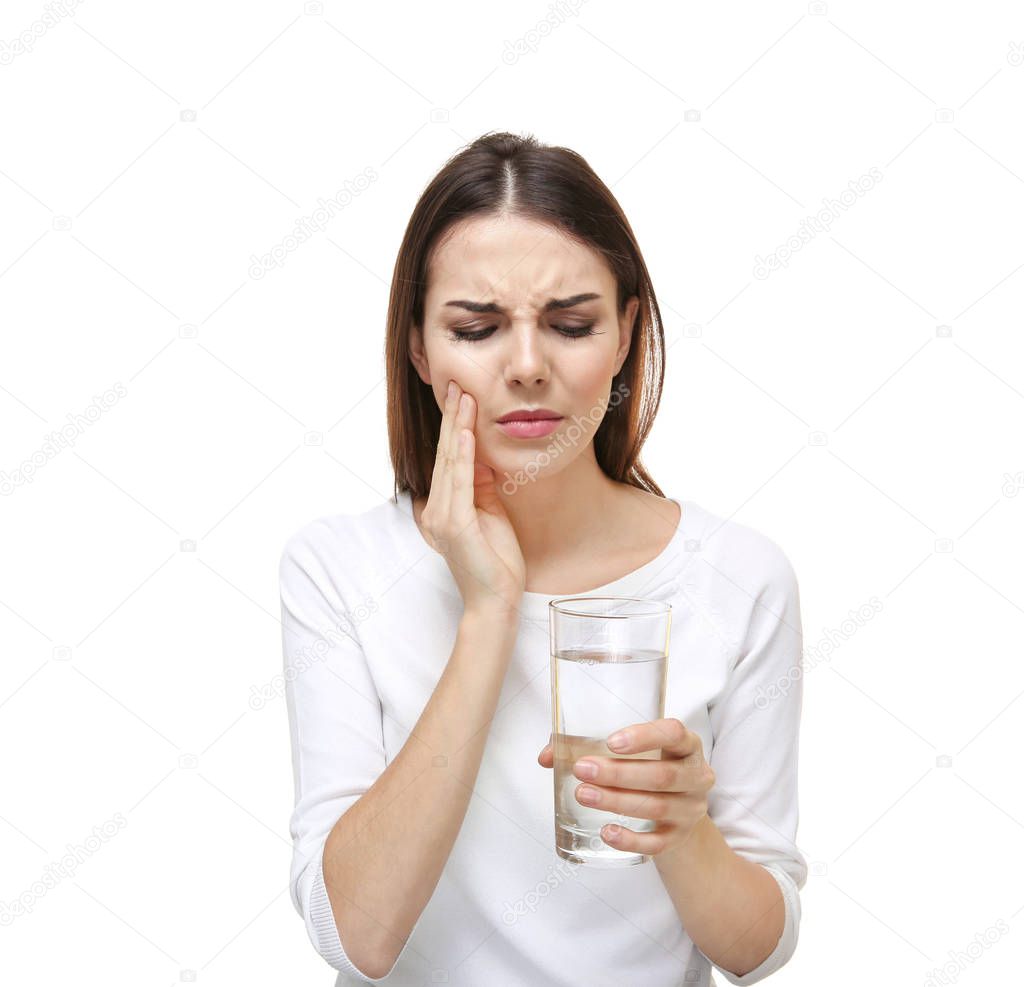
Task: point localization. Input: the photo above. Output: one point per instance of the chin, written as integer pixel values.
(513, 471)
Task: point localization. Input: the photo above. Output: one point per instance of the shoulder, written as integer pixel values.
(742, 554)
(749, 585)
(330, 545)
(316, 537)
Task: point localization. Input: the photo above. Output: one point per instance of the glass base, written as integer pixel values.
(581, 847)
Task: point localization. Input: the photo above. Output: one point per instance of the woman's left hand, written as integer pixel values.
(672, 791)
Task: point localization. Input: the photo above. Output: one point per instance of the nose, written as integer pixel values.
(525, 361)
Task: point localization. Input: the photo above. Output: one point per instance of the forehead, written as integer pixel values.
(514, 262)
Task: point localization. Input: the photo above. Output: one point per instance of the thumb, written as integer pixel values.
(485, 493)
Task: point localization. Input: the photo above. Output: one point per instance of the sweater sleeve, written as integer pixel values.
(755, 724)
(335, 723)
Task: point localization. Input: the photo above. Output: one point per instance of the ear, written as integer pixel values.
(418, 354)
(626, 325)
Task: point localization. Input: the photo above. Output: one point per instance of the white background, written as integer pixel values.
(825, 405)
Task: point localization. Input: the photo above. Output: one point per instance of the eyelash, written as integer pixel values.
(569, 332)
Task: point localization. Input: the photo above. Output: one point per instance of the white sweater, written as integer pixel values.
(370, 616)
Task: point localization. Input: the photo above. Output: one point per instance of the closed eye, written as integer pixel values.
(569, 332)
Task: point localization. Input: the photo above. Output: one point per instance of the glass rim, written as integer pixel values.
(660, 607)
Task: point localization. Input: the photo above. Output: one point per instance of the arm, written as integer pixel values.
(371, 838)
(731, 908)
(385, 855)
(735, 883)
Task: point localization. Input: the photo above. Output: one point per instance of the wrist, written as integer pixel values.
(490, 620)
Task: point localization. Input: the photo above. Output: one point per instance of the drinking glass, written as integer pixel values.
(609, 662)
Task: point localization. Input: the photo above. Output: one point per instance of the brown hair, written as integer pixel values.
(507, 173)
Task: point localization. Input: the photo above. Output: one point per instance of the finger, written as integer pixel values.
(485, 488)
(627, 802)
(667, 735)
(639, 774)
(453, 452)
(439, 487)
(546, 758)
(631, 841)
(462, 506)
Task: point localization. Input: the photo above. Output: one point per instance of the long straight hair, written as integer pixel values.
(502, 173)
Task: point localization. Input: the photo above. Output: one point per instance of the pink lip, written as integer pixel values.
(534, 429)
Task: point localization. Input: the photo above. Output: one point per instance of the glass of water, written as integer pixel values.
(609, 662)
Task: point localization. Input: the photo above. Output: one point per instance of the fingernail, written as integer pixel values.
(588, 794)
(586, 769)
(619, 741)
(451, 388)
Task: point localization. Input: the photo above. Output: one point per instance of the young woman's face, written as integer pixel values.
(550, 336)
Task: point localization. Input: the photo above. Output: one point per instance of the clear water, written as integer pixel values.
(596, 693)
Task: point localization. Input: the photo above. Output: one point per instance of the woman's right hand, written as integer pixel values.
(465, 521)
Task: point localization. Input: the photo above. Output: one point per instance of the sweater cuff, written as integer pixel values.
(328, 942)
(786, 945)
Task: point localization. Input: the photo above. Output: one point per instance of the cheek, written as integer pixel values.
(444, 366)
(591, 378)
(469, 375)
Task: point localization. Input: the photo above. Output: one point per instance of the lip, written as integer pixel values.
(528, 414)
(529, 428)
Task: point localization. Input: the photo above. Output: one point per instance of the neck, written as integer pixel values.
(554, 515)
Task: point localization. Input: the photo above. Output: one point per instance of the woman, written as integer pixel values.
(416, 638)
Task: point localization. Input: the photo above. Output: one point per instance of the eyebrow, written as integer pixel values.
(552, 304)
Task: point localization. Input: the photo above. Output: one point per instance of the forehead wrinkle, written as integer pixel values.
(477, 267)
(529, 291)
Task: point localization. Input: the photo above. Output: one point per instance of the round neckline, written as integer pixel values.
(535, 605)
